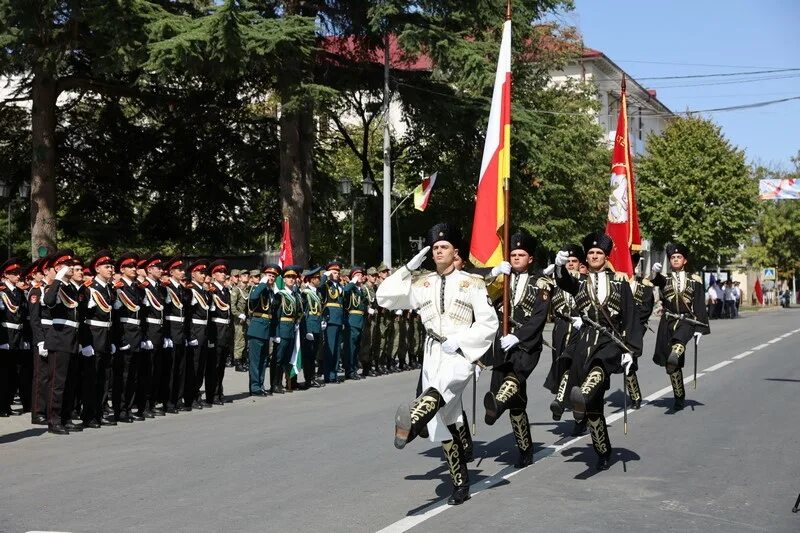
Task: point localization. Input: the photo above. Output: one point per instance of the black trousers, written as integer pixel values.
(24, 375)
(59, 398)
(162, 386)
(177, 374)
(149, 370)
(8, 379)
(311, 353)
(215, 371)
(125, 381)
(102, 381)
(195, 370)
(41, 384)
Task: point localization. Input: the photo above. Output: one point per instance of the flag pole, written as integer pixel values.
(506, 230)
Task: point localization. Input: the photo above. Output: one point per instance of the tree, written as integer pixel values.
(695, 188)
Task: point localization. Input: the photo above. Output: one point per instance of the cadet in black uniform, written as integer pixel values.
(642, 290)
(174, 364)
(220, 342)
(40, 321)
(12, 342)
(197, 337)
(128, 338)
(519, 351)
(154, 297)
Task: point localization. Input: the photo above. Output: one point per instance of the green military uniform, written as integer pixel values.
(284, 330)
(344, 344)
(311, 329)
(239, 317)
(415, 337)
(390, 331)
(367, 352)
(260, 305)
(333, 319)
(356, 302)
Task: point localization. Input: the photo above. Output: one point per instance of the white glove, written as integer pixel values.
(145, 345)
(63, 271)
(697, 337)
(577, 322)
(508, 341)
(398, 312)
(627, 361)
(371, 310)
(450, 346)
(310, 336)
(561, 258)
(165, 344)
(194, 342)
(503, 268)
(656, 269)
(263, 279)
(210, 344)
(124, 348)
(418, 259)
(26, 345)
(323, 325)
(276, 340)
(242, 317)
(5, 346)
(42, 351)
(548, 270)
(87, 351)
(113, 349)
(171, 344)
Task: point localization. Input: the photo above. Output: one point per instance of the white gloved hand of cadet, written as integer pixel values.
(508, 341)
(697, 337)
(62, 272)
(323, 325)
(42, 351)
(276, 340)
(577, 322)
(113, 349)
(503, 268)
(165, 344)
(627, 361)
(310, 336)
(5, 346)
(371, 310)
(561, 258)
(242, 317)
(656, 269)
(264, 279)
(87, 351)
(418, 259)
(194, 342)
(548, 270)
(450, 346)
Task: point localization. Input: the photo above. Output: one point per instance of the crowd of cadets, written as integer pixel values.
(145, 334)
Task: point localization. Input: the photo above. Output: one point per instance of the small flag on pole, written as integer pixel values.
(296, 361)
(287, 257)
(423, 192)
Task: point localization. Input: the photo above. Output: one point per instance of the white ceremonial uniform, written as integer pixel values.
(466, 317)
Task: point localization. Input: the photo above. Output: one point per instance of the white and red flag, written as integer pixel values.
(486, 246)
(423, 192)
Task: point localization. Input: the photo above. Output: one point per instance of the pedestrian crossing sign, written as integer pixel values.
(769, 274)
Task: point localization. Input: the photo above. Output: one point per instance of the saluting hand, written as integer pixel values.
(561, 258)
(418, 259)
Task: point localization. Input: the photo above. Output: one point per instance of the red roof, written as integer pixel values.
(355, 50)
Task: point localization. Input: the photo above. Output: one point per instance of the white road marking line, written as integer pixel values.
(787, 334)
(717, 366)
(404, 524)
(773, 341)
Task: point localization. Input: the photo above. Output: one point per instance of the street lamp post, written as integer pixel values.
(346, 190)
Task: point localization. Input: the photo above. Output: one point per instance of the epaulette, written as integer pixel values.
(620, 276)
(697, 278)
(118, 284)
(87, 283)
(545, 283)
(646, 282)
(144, 284)
(421, 280)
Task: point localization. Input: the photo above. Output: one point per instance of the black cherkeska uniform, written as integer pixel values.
(605, 298)
(643, 300)
(529, 300)
(220, 340)
(681, 294)
(151, 376)
(197, 326)
(96, 331)
(39, 320)
(128, 337)
(175, 353)
(12, 321)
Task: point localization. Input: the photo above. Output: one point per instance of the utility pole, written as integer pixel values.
(387, 170)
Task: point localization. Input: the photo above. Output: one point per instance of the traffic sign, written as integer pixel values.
(768, 274)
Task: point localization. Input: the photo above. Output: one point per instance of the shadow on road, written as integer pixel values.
(19, 435)
(783, 379)
(667, 404)
(586, 454)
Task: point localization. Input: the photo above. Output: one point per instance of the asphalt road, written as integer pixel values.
(324, 460)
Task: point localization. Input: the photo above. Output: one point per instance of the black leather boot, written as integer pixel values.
(496, 403)
(580, 396)
(522, 435)
(409, 419)
(458, 472)
(632, 384)
(600, 440)
(557, 405)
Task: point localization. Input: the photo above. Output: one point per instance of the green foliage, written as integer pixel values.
(695, 188)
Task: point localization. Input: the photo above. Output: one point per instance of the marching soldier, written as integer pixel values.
(96, 339)
(220, 340)
(519, 350)
(260, 306)
(128, 338)
(642, 290)
(285, 327)
(151, 360)
(40, 320)
(605, 344)
(356, 304)
(332, 319)
(461, 326)
(61, 343)
(197, 314)
(12, 341)
(312, 334)
(239, 317)
(566, 325)
(174, 364)
(684, 317)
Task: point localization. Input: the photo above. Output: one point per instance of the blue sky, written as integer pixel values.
(710, 37)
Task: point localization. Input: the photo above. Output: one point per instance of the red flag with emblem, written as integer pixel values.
(286, 258)
(623, 215)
